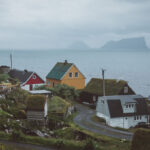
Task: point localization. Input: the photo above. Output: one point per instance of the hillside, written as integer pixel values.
(130, 44)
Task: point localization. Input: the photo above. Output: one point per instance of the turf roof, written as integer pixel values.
(58, 105)
(59, 70)
(112, 86)
(36, 102)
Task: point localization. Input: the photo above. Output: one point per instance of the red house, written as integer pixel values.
(28, 79)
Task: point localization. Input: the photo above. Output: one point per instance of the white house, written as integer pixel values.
(123, 111)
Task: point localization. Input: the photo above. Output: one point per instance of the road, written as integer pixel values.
(26, 146)
(83, 119)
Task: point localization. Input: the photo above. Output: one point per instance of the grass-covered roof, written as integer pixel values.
(36, 102)
(4, 77)
(58, 105)
(112, 86)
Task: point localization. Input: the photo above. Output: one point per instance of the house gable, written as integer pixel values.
(73, 69)
(34, 79)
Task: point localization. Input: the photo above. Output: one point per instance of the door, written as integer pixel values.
(31, 87)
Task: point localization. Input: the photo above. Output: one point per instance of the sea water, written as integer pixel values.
(133, 67)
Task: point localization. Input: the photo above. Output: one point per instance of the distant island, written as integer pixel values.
(129, 44)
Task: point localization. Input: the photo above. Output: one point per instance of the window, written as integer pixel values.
(126, 118)
(137, 117)
(70, 74)
(49, 83)
(126, 106)
(102, 101)
(125, 90)
(140, 117)
(129, 105)
(132, 105)
(34, 77)
(134, 117)
(76, 74)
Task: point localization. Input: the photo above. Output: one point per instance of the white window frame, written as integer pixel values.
(34, 77)
(70, 73)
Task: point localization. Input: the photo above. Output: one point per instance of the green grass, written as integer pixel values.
(98, 119)
(12, 147)
(57, 105)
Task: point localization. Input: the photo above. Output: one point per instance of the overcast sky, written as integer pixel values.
(46, 24)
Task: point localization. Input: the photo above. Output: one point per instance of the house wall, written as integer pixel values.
(130, 109)
(35, 115)
(130, 91)
(36, 80)
(122, 122)
(102, 107)
(46, 109)
(27, 86)
(51, 82)
(77, 82)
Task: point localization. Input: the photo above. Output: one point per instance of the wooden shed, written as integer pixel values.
(37, 108)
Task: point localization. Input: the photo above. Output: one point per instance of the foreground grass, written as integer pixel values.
(12, 147)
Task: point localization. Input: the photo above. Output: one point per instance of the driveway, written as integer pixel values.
(83, 119)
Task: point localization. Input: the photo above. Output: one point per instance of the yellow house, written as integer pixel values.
(65, 73)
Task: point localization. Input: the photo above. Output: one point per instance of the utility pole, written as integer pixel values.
(103, 75)
(11, 61)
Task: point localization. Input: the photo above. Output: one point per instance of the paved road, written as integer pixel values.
(26, 146)
(83, 119)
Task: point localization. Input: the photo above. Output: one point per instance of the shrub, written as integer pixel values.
(4, 77)
(17, 135)
(89, 145)
(141, 140)
(18, 95)
(65, 92)
(22, 114)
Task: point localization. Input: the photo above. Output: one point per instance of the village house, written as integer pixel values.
(94, 89)
(65, 73)
(4, 69)
(37, 108)
(28, 79)
(123, 111)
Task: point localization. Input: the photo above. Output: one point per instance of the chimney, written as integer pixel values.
(65, 62)
(25, 70)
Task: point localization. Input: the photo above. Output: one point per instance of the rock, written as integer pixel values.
(7, 131)
(51, 132)
(39, 133)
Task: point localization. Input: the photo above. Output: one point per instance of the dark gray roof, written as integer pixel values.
(115, 105)
(22, 76)
(115, 108)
